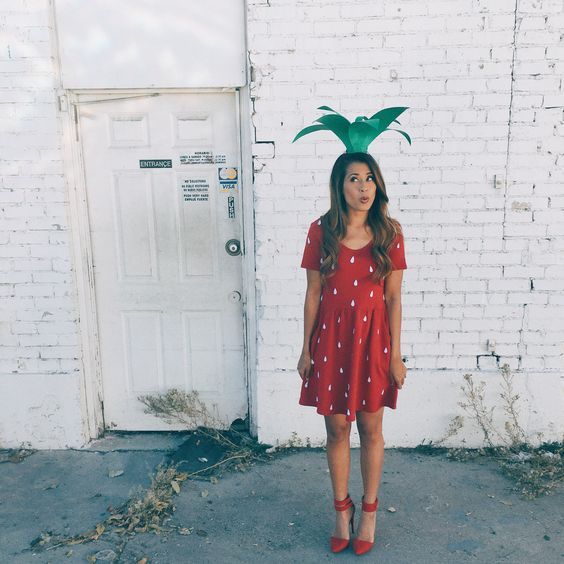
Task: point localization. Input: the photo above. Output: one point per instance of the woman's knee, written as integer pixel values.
(370, 434)
(338, 432)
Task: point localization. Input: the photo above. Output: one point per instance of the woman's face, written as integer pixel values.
(359, 187)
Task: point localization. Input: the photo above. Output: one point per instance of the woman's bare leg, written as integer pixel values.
(371, 464)
(338, 459)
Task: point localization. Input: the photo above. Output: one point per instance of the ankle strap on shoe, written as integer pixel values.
(343, 504)
(369, 507)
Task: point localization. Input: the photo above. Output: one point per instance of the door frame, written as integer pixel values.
(91, 387)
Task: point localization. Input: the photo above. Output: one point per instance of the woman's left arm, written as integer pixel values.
(392, 293)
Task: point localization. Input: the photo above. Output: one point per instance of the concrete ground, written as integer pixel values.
(445, 511)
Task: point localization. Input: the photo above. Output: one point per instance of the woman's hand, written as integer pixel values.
(304, 365)
(397, 372)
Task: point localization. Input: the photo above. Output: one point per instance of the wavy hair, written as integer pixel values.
(334, 222)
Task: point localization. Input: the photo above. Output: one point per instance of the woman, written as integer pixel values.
(350, 365)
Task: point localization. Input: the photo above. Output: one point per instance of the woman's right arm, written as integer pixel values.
(311, 307)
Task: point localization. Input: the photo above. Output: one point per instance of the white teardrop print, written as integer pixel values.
(339, 345)
(366, 357)
(352, 303)
(318, 339)
(324, 326)
(348, 412)
(397, 246)
(316, 398)
(360, 341)
(363, 402)
(371, 269)
(331, 407)
(382, 393)
(365, 318)
(334, 291)
(369, 380)
(377, 331)
(329, 388)
(324, 359)
(355, 282)
(339, 320)
(346, 395)
(306, 383)
(341, 370)
(312, 361)
(352, 259)
(319, 222)
(308, 241)
(385, 349)
(371, 293)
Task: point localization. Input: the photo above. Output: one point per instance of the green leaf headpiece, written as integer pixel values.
(357, 135)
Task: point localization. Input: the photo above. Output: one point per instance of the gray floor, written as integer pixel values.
(446, 511)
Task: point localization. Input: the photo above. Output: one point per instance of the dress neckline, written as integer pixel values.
(359, 249)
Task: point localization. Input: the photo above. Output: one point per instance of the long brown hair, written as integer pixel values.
(334, 222)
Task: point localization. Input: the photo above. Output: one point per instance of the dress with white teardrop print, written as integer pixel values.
(350, 341)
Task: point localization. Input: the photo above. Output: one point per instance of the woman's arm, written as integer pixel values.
(311, 307)
(311, 304)
(392, 293)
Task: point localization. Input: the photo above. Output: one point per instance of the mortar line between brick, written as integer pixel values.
(511, 90)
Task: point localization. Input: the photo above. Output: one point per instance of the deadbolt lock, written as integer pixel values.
(233, 247)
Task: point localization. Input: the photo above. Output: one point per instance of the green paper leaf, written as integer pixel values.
(327, 108)
(388, 115)
(339, 125)
(403, 133)
(361, 135)
(309, 129)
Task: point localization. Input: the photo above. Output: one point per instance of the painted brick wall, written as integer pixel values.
(39, 392)
(479, 193)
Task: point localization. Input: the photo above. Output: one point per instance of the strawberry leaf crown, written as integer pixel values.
(357, 135)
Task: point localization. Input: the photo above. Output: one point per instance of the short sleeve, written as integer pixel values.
(397, 253)
(312, 250)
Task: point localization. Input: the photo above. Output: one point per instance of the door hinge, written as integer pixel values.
(63, 103)
(75, 118)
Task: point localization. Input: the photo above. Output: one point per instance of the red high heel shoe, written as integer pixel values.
(339, 544)
(362, 546)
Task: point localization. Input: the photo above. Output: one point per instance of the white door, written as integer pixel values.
(163, 194)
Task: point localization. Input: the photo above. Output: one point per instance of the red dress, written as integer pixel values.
(350, 341)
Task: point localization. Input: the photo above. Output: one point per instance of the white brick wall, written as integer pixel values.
(39, 354)
(478, 193)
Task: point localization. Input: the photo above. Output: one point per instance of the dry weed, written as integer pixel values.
(145, 511)
(535, 471)
(177, 406)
